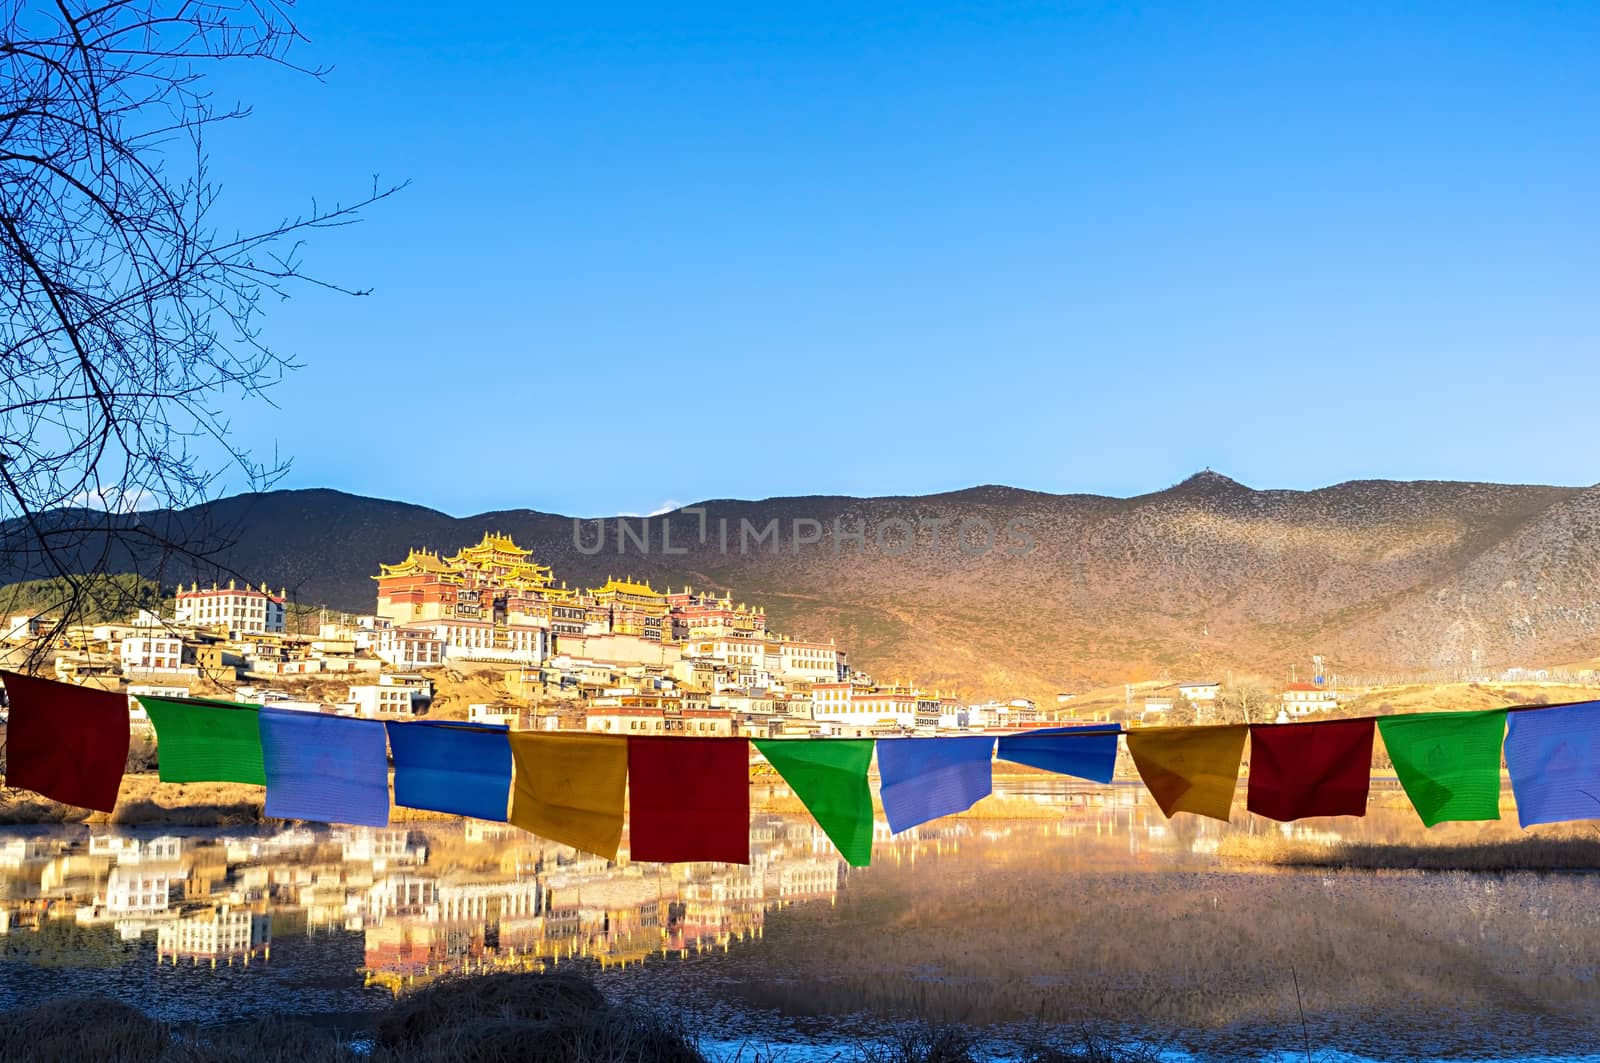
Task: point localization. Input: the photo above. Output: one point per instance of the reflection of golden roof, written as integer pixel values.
(627, 586)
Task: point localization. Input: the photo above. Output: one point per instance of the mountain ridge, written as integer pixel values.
(1205, 576)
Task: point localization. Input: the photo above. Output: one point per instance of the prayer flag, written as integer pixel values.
(460, 768)
(925, 778)
(1310, 769)
(689, 799)
(570, 788)
(65, 742)
(1448, 762)
(327, 769)
(207, 741)
(1554, 759)
(1190, 769)
(1092, 756)
(829, 775)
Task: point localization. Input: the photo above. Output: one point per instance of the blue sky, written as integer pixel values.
(656, 255)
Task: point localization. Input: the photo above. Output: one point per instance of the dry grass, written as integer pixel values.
(496, 1019)
(502, 1018)
(1448, 697)
(145, 800)
(557, 1017)
(1539, 852)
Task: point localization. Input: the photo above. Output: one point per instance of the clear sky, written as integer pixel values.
(661, 253)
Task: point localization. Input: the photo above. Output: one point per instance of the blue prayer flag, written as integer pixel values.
(925, 778)
(464, 769)
(1093, 758)
(328, 769)
(1554, 759)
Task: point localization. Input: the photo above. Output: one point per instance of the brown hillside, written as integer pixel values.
(1206, 576)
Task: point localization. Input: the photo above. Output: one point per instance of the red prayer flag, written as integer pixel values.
(66, 742)
(689, 799)
(1310, 769)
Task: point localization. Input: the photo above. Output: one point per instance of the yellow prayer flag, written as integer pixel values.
(1190, 769)
(570, 788)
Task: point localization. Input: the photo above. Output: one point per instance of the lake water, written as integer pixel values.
(1099, 916)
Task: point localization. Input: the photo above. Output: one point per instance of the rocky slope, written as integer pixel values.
(994, 589)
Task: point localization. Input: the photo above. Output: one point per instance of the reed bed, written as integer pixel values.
(494, 1019)
(1530, 853)
(501, 1018)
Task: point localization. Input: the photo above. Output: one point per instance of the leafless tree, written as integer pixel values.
(131, 317)
(1245, 701)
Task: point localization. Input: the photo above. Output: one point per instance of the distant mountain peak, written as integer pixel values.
(1209, 481)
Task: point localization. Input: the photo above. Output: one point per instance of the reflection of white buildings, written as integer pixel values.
(505, 900)
(796, 880)
(416, 896)
(16, 853)
(220, 933)
(139, 889)
(382, 848)
(400, 894)
(251, 848)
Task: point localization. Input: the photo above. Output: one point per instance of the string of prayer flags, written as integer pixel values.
(925, 778)
(1092, 756)
(65, 742)
(460, 768)
(327, 769)
(570, 788)
(689, 799)
(829, 775)
(1448, 762)
(1190, 769)
(207, 741)
(1299, 770)
(1554, 759)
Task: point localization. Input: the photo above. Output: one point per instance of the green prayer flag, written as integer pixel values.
(1448, 762)
(207, 741)
(829, 775)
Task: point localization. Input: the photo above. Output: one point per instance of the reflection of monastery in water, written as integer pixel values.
(385, 910)
(427, 901)
(433, 899)
(559, 905)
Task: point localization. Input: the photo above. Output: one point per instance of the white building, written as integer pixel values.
(240, 610)
(480, 640)
(378, 700)
(1303, 699)
(408, 647)
(817, 661)
(136, 711)
(830, 701)
(498, 716)
(865, 708)
(1197, 692)
(151, 653)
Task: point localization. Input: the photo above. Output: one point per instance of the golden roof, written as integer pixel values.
(492, 543)
(627, 586)
(533, 573)
(417, 561)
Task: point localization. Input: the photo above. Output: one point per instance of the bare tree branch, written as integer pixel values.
(130, 323)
